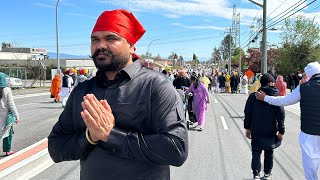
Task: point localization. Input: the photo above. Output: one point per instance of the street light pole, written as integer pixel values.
(57, 39)
(264, 63)
(229, 66)
(149, 47)
(264, 38)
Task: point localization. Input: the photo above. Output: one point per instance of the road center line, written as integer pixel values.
(224, 123)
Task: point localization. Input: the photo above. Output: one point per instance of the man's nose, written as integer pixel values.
(103, 44)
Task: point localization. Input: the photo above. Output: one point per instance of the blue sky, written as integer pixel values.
(182, 26)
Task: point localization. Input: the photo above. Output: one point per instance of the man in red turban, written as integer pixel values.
(112, 25)
(127, 122)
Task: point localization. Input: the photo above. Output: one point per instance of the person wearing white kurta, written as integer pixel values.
(244, 85)
(65, 91)
(309, 143)
(6, 105)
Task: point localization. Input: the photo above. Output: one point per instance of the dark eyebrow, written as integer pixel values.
(107, 36)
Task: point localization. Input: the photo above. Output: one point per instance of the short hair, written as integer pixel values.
(164, 72)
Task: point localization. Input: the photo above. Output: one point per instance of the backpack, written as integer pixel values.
(65, 80)
(244, 82)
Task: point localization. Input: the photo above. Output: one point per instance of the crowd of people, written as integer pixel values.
(62, 87)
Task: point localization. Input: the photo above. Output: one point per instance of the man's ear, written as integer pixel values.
(132, 49)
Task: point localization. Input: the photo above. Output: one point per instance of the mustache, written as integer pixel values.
(104, 51)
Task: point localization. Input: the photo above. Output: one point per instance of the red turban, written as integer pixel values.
(68, 72)
(82, 71)
(121, 22)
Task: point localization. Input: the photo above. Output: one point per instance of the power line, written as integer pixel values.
(280, 20)
(277, 8)
(295, 6)
(277, 22)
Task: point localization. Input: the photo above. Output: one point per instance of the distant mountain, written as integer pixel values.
(65, 56)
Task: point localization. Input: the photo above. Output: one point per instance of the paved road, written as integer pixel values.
(221, 151)
(38, 113)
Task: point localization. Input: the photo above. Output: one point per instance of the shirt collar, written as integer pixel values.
(128, 72)
(132, 69)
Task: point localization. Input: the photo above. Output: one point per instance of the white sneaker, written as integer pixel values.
(256, 177)
(267, 176)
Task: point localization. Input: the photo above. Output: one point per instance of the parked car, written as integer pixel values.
(13, 83)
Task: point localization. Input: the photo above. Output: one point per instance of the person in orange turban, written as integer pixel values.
(56, 88)
(127, 122)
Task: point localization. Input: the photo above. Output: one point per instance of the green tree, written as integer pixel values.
(195, 59)
(180, 60)
(300, 44)
(215, 55)
(236, 57)
(226, 44)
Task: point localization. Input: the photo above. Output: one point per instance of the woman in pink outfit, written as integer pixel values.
(281, 86)
(200, 100)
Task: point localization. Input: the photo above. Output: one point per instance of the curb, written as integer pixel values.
(26, 163)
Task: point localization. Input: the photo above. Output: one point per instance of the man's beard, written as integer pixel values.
(117, 62)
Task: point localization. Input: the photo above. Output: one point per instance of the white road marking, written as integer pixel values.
(224, 123)
(215, 101)
(24, 162)
(44, 164)
(30, 95)
(27, 104)
(23, 151)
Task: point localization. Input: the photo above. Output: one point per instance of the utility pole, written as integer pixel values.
(57, 39)
(229, 66)
(264, 61)
(148, 54)
(236, 32)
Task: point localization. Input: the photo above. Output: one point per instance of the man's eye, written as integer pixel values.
(94, 40)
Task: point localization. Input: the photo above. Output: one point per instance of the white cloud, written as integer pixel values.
(176, 24)
(216, 8)
(44, 5)
(198, 26)
(172, 16)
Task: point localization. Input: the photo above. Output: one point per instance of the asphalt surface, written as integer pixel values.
(37, 116)
(220, 151)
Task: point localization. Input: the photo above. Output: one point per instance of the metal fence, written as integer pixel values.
(16, 72)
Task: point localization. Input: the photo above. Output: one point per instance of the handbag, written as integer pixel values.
(8, 128)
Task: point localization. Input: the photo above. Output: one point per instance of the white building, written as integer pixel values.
(7, 52)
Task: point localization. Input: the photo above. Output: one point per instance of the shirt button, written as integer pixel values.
(113, 150)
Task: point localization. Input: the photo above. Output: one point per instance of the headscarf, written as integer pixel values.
(312, 69)
(3, 80)
(281, 86)
(121, 22)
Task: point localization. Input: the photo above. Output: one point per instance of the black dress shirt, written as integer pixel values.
(150, 130)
